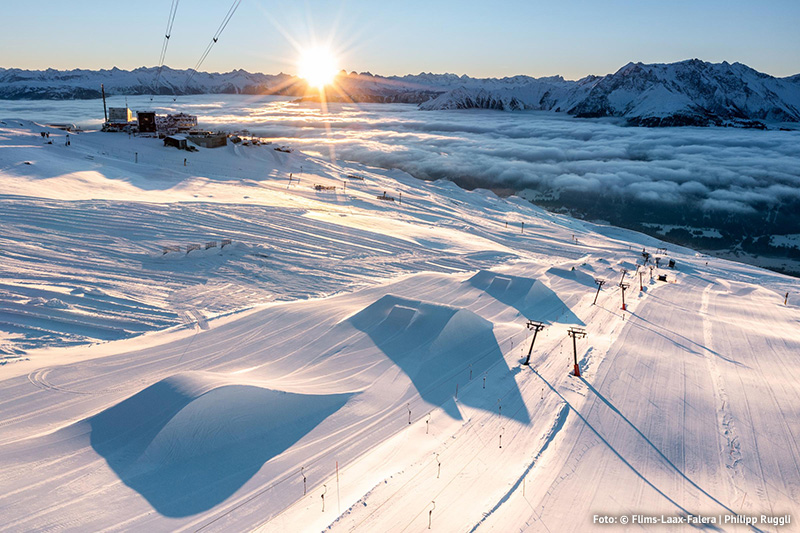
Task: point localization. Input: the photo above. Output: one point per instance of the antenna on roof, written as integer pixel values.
(105, 110)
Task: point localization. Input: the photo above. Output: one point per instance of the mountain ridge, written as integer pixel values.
(685, 93)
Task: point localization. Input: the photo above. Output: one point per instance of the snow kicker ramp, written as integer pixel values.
(433, 344)
(532, 298)
(188, 442)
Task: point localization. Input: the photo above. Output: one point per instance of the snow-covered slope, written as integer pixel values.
(354, 363)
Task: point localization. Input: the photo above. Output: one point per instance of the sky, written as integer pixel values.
(572, 38)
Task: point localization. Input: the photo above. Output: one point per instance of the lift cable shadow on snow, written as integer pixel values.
(633, 468)
(683, 337)
(654, 447)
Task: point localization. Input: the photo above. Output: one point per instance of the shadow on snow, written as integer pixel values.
(435, 346)
(532, 298)
(186, 444)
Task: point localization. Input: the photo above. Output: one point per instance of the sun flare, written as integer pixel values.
(318, 67)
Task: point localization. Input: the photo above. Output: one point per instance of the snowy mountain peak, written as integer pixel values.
(690, 92)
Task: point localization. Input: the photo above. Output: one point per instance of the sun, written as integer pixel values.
(317, 66)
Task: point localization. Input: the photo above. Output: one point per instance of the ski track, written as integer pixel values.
(687, 403)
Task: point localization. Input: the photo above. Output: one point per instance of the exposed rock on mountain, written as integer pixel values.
(691, 92)
(687, 93)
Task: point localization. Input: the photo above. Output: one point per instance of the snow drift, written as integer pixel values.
(191, 440)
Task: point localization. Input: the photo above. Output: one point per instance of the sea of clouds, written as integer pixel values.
(721, 170)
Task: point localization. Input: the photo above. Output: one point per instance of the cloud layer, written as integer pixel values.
(720, 170)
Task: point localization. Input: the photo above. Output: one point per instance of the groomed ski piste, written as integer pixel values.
(350, 363)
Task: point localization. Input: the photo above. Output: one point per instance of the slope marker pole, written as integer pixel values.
(338, 499)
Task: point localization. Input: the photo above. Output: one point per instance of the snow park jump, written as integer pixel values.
(238, 370)
(333, 300)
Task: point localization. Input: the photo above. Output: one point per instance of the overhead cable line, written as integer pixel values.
(214, 40)
(170, 21)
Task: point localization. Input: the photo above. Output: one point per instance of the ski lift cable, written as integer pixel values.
(214, 39)
(216, 36)
(168, 32)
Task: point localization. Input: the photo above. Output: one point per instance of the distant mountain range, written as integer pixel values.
(692, 92)
(51, 84)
